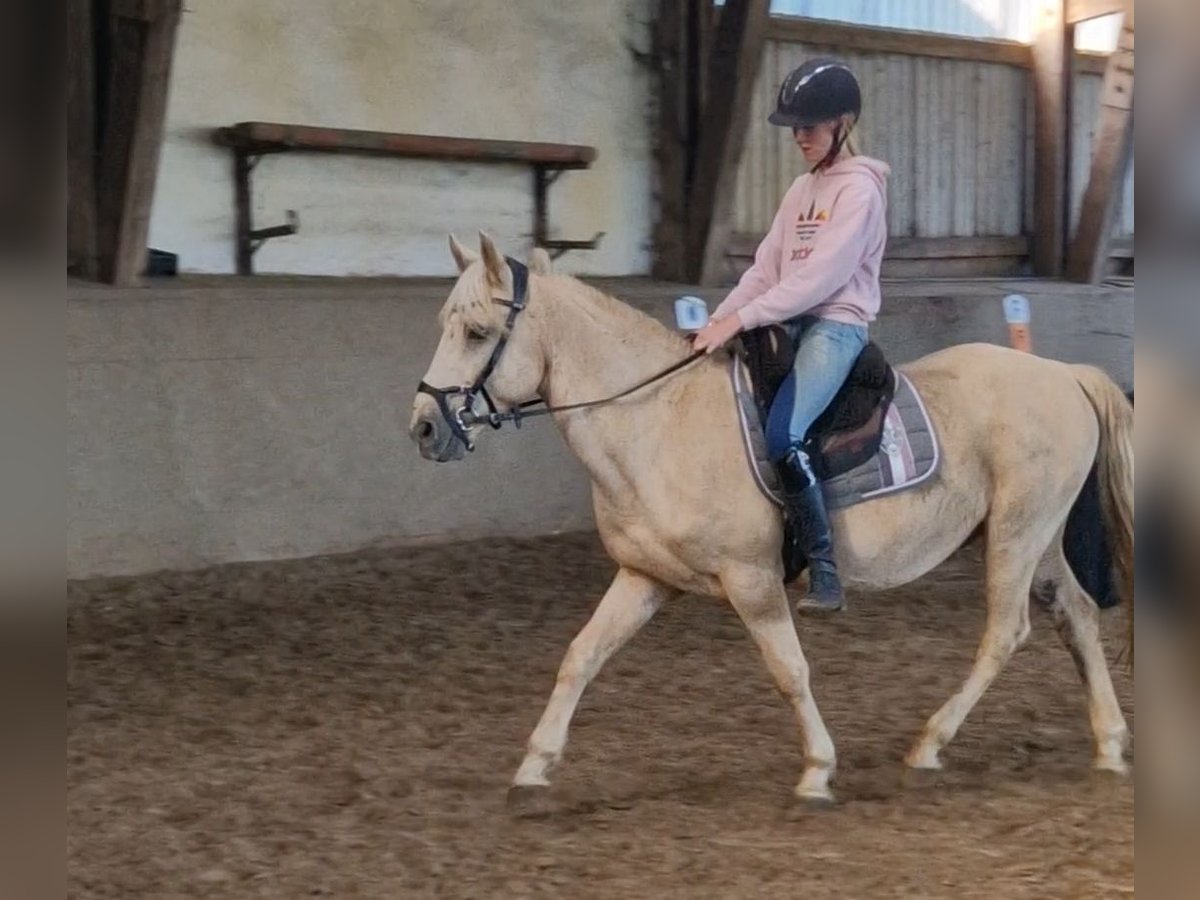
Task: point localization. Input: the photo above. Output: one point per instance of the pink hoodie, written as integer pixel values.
(823, 251)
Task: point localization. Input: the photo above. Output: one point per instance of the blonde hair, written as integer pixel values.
(850, 142)
(845, 124)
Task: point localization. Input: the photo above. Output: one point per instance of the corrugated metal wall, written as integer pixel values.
(1086, 108)
(954, 133)
(958, 135)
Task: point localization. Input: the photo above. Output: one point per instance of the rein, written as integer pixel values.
(462, 419)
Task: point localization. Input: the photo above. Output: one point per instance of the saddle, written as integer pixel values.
(850, 430)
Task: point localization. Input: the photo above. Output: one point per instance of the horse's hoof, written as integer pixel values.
(923, 761)
(923, 777)
(804, 805)
(530, 801)
(1114, 767)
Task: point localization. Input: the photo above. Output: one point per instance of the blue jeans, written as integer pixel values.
(825, 353)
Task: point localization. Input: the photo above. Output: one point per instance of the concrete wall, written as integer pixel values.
(217, 425)
(523, 70)
(233, 421)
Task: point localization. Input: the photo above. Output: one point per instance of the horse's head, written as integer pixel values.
(484, 356)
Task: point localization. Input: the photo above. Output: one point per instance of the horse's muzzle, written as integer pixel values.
(434, 438)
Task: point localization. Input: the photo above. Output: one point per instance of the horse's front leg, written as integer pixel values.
(630, 602)
(759, 598)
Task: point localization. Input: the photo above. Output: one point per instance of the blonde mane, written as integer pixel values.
(471, 302)
(608, 313)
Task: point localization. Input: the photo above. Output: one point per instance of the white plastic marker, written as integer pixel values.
(691, 313)
(1016, 313)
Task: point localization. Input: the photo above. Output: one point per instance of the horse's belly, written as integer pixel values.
(894, 543)
(633, 544)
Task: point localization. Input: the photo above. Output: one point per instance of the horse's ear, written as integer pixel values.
(539, 261)
(493, 260)
(463, 257)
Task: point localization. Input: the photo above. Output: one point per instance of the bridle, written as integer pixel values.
(464, 417)
(461, 419)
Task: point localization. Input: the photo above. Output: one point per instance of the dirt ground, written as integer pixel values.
(347, 727)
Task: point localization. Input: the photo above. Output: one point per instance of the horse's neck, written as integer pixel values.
(597, 347)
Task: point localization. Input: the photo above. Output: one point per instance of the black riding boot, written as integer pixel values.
(806, 511)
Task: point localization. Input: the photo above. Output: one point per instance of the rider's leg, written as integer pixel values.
(825, 354)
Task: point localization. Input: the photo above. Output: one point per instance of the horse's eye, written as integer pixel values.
(476, 335)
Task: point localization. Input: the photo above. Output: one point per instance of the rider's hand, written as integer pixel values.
(716, 334)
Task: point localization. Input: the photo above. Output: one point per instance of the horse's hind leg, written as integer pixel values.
(761, 602)
(1077, 620)
(1010, 569)
(630, 602)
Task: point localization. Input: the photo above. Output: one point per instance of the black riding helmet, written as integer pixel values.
(821, 90)
(818, 91)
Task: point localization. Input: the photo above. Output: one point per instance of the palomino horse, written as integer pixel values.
(678, 510)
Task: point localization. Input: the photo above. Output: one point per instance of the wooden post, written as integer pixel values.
(143, 41)
(732, 71)
(1110, 160)
(671, 146)
(1053, 51)
(703, 21)
(683, 36)
(81, 142)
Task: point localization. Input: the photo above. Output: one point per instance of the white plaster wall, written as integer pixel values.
(522, 70)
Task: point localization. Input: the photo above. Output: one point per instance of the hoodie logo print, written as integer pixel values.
(807, 224)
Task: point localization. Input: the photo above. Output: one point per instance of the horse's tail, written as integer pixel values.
(1115, 470)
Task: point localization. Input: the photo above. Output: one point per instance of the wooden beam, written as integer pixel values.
(1053, 49)
(990, 246)
(279, 137)
(956, 247)
(1088, 257)
(1088, 62)
(671, 53)
(942, 257)
(732, 72)
(81, 142)
(1082, 10)
(703, 16)
(143, 42)
(868, 39)
(955, 267)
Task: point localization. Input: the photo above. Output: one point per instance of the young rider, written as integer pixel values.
(817, 273)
